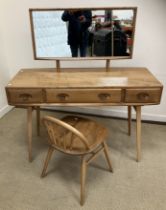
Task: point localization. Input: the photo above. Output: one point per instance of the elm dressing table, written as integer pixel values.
(32, 88)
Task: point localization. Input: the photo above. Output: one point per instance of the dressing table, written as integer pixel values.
(113, 30)
(33, 88)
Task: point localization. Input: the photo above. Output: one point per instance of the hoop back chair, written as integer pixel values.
(78, 136)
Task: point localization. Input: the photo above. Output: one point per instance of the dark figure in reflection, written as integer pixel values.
(79, 21)
(109, 38)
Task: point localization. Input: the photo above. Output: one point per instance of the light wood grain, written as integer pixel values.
(29, 131)
(121, 86)
(138, 132)
(143, 95)
(129, 119)
(76, 136)
(38, 120)
(80, 95)
(84, 87)
(84, 78)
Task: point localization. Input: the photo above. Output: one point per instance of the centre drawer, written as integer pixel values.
(83, 95)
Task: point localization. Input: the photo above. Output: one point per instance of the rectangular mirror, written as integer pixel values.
(102, 33)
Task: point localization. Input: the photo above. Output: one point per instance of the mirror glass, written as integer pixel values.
(83, 33)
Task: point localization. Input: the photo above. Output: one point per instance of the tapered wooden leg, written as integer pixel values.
(29, 129)
(107, 156)
(38, 120)
(48, 157)
(138, 132)
(129, 120)
(83, 177)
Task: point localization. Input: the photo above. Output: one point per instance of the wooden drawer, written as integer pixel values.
(83, 95)
(145, 95)
(24, 96)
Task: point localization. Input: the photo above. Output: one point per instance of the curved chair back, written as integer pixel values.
(76, 136)
(64, 137)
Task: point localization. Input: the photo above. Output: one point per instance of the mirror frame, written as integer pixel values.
(31, 10)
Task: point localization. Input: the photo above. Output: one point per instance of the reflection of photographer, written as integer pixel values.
(79, 21)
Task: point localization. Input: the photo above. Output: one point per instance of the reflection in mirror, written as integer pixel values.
(91, 33)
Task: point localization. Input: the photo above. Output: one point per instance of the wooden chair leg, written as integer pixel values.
(48, 157)
(29, 129)
(107, 156)
(138, 132)
(83, 177)
(38, 119)
(129, 120)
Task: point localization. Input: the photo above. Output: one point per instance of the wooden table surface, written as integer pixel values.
(84, 78)
(32, 88)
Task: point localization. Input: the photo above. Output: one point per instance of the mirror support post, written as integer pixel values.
(107, 64)
(58, 65)
(112, 40)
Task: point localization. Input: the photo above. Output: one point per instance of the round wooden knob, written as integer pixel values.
(63, 96)
(143, 96)
(104, 96)
(25, 96)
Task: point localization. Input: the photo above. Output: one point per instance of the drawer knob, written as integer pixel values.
(63, 96)
(143, 96)
(104, 96)
(25, 96)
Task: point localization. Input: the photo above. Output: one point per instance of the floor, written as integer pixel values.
(132, 186)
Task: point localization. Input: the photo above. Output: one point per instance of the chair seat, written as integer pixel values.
(93, 132)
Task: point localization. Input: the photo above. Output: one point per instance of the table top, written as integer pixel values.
(84, 78)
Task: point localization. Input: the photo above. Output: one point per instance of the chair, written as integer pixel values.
(78, 136)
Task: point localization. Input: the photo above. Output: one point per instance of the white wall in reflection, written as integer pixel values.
(50, 34)
(123, 14)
